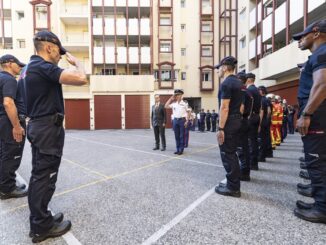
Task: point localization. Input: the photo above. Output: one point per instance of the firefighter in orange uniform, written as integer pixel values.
(277, 119)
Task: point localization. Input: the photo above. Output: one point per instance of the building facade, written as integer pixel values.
(131, 50)
(265, 41)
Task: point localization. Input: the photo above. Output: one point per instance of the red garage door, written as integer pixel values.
(137, 111)
(77, 114)
(107, 111)
(164, 99)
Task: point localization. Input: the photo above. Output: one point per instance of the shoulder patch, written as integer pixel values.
(321, 58)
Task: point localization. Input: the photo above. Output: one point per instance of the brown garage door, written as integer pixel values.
(164, 99)
(77, 114)
(107, 111)
(137, 111)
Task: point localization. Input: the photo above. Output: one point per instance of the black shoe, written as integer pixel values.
(57, 230)
(16, 193)
(21, 186)
(156, 148)
(180, 153)
(176, 152)
(305, 192)
(255, 167)
(225, 191)
(163, 149)
(261, 159)
(304, 175)
(304, 205)
(269, 155)
(303, 186)
(312, 215)
(245, 177)
(302, 159)
(57, 218)
(303, 165)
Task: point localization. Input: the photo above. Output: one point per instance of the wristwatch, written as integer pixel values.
(220, 129)
(305, 114)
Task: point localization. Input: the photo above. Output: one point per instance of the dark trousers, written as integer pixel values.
(41, 189)
(214, 126)
(47, 142)
(291, 125)
(208, 125)
(202, 126)
(263, 142)
(199, 125)
(269, 149)
(179, 128)
(159, 131)
(253, 139)
(11, 154)
(228, 153)
(315, 156)
(243, 148)
(284, 129)
(186, 134)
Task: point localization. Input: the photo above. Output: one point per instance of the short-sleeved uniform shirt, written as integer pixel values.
(248, 102)
(316, 61)
(179, 109)
(8, 88)
(264, 106)
(256, 98)
(231, 89)
(40, 87)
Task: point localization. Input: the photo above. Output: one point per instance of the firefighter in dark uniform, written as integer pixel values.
(202, 120)
(229, 126)
(41, 86)
(264, 126)
(208, 120)
(254, 120)
(214, 120)
(243, 143)
(312, 122)
(12, 129)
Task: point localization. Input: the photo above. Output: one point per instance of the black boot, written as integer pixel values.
(57, 230)
(225, 191)
(57, 218)
(304, 175)
(312, 215)
(156, 148)
(16, 193)
(307, 192)
(304, 205)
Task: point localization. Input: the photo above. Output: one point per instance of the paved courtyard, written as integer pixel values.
(116, 190)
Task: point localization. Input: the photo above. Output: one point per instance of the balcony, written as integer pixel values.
(76, 42)
(74, 14)
(122, 3)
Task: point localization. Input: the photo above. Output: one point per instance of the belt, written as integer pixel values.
(234, 116)
(44, 116)
(179, 118)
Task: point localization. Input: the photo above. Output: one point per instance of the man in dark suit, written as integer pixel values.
(158, 117)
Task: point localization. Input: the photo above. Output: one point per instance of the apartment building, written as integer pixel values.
(265, 41)
(131, 50)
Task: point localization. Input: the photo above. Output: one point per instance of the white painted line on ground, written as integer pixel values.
(68, 237)
(165, 228)
(141, 151)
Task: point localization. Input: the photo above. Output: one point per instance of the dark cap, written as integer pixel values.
(178, 91)
(317, 26)
(47, 36)
(242, 75)
(229, 60)
(250, 75)
(10, 58)
(263, 89)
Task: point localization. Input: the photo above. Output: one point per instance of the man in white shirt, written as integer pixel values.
(180, 118)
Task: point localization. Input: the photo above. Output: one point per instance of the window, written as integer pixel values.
(242, 15)
(183, 75)
(41, 12)
(183, 3)
(21, 43)
(242, 42)
(183, 52)
(20, 15)
(206, 26)
(108, 71)
(166, 46)
(183, 27)
(165, 19)
(207, 76)
(207, 51)
(166, 75)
